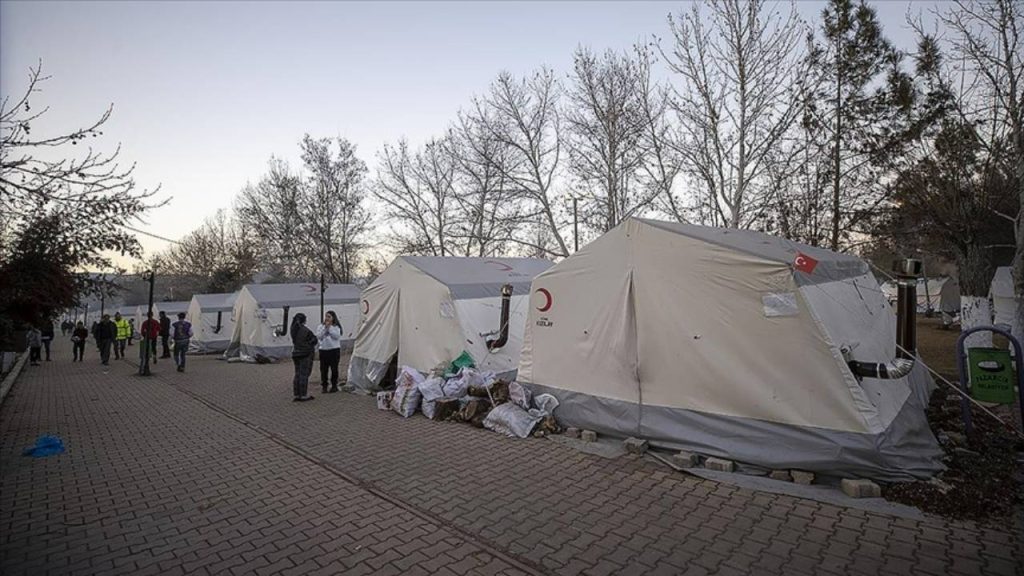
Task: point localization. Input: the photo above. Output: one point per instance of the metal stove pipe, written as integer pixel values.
(907, 272)
(506, 297)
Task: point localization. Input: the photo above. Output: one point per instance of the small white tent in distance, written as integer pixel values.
(212, 321)
(263, 314)
(1003, 302)
(729, 343)
(429, 310)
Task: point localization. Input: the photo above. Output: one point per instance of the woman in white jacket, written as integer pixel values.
(329, 336)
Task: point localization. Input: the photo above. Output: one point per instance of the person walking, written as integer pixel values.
(150, 332)
(47, 337)
(182, 330)
(78, 337)
(131, 331)
(34, 339)
(165, 334)
(328, 336)
(124, 330)
(304, 343)
(106, 334)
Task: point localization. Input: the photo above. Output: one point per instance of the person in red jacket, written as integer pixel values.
(150, 332)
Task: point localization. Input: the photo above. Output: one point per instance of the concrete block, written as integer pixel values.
(636, 445)
(572, 432)
(783, 475)
(685, 459)
(860, 488)
(720, 464)
(801, 477)
(588, 436)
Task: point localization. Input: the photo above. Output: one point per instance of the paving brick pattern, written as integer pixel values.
(155, 482)
(185, 465)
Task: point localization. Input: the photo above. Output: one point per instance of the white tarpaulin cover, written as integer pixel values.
(949, 297)
(259, 317)
(212, 321)
(429, 310)
(728, 343)
(1001, 292)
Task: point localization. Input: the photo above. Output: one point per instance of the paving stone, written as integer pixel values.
(588, 436)
(635, 445)
(802, 477)
(783, 475)
(719, 464)
(572, 432)
(860, 488)
(685, 459)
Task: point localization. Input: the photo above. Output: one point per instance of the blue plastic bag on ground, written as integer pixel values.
(45, 446)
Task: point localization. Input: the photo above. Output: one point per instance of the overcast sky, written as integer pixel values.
(204, 93)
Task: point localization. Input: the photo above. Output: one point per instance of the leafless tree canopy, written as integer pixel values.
(737, 71)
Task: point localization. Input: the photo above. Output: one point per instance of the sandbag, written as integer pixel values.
(431, 389)
(544, 405)
(511, 420)
(407, 395)
(520, 395)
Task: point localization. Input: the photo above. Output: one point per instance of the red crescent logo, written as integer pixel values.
(547, 301)
(366, 307)
(504, 267)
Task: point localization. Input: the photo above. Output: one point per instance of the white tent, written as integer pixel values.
(928, 293)
(212, 322)
(1003, 302)
(949, 297)
(263, 313)
(429, 310)
(729, 343)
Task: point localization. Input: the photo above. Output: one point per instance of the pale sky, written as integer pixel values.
(204, 92)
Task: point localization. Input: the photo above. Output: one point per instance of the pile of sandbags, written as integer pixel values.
(475, 397)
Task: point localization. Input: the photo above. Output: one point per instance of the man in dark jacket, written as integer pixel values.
(106, 333)
(165, 334)
(47, 333)
(303, 345)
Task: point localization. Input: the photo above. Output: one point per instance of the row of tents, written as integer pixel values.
(943, 295)
(728, 343)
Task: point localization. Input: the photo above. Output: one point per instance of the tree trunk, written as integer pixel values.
(974, 266)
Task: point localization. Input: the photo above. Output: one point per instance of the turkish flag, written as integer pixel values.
(804, 263)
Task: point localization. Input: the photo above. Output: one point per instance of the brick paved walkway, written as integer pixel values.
(217, 470)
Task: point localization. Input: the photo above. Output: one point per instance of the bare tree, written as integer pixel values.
(738, 68)
(522, 116)
(492, 209)
(271, 213)
(418, 195)
(985, 37)
(607, 116)
(64, 207)
(217, 256)
(335, 221)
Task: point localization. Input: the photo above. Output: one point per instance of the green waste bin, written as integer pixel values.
(991, 375)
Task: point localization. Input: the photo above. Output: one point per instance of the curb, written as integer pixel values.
(8, 382)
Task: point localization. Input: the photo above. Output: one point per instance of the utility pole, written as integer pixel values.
(144, 365)
(323, 288)
(575, 227)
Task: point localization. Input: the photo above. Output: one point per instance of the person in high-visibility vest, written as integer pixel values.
(124, 331)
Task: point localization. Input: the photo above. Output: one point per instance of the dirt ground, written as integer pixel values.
(984, 478)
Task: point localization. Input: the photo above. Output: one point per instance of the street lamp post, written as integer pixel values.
(144, 364)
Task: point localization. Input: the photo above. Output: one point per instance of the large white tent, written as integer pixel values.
(1003, 302)
(263, 314)
(429, 310)
(729, 343)
(212, 321)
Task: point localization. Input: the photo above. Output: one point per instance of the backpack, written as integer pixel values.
(181, 330)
